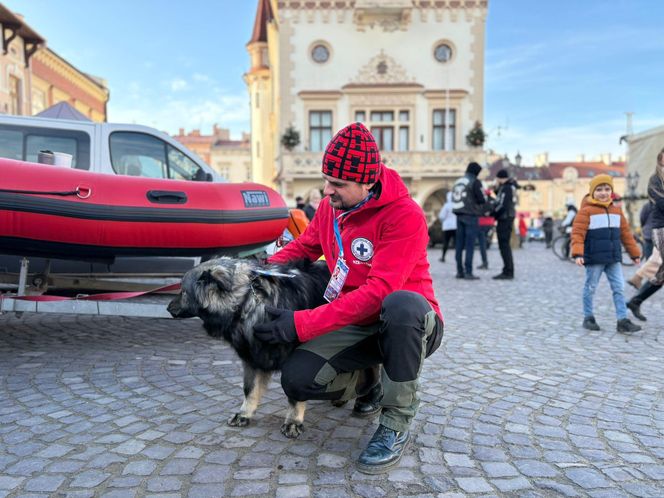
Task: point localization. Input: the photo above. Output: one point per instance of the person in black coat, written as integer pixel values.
(504, 212)
(468, 205)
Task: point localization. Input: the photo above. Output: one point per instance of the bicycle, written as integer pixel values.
(561, 246)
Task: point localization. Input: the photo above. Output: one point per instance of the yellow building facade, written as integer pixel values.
(411, 71)
(33, 77)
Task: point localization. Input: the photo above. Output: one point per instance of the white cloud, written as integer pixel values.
(170, 113)
(178, 85)
(200, 77)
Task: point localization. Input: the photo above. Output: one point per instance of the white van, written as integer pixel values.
(121, 149)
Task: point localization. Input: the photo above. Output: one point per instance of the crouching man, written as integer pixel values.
(381, 306)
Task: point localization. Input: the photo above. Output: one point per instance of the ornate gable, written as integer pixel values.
(382, 70)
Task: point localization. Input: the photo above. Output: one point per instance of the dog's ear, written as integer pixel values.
(214, 276)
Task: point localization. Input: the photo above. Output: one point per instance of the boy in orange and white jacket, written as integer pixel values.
(597, 233)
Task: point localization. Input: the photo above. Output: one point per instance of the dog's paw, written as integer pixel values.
(292, 430)
(338, 403)
(238, 420)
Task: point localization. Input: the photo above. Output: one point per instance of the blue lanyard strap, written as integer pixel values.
(337, 232)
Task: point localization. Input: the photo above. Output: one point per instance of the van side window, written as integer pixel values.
(138, 154)
(183, 168)
(11, 144)
(36, 143)
(25, 142)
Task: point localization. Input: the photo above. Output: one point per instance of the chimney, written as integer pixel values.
(606, 158)
(581, 158)
(181, 132)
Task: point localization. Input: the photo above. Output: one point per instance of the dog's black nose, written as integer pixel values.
(176, 310)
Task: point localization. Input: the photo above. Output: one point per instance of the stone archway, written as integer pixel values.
(431, 206)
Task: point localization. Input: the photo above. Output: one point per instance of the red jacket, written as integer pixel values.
(394, 230)
(523, 228)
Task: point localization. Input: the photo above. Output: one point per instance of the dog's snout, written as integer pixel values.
(176, 310)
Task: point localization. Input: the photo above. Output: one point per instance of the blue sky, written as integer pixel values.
(559, 75)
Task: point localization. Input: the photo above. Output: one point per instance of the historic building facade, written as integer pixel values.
(33, 77)
(411, 70)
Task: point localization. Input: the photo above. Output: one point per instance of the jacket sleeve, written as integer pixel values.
(627, 238)
(478, 193)
(504, 200)
(579, 231)
(444, 213)
(403, 240)
(656, 193)
(306, 246)
(645, 212)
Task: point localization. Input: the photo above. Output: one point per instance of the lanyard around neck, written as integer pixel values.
(337, 232)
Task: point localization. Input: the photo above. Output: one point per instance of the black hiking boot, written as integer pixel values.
(626, 327)
(635, 308)
(634, 304)
(589, 323)
(383, 451)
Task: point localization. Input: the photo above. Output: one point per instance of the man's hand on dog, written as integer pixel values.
(280, 330)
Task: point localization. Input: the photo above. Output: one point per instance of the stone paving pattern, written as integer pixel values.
(519, 401)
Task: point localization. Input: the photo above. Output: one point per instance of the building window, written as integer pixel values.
(320, 130)
(442, 52)
(444, 129)
(360, 116)
(15, 96)
(382, 128)
(320, 53)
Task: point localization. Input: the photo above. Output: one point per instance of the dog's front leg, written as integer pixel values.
(293, 425)
(255, 384)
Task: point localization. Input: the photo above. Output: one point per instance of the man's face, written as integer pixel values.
(603, 192)
(502, 180)
(344, 194)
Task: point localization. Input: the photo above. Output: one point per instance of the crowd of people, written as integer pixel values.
(597, 232)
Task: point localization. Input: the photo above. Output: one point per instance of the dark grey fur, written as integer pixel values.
(230, 298)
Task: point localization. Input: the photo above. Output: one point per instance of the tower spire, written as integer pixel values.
(264, 15)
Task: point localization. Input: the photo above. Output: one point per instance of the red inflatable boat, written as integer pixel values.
(57, 212)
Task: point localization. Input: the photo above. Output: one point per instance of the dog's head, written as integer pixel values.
(217, 287)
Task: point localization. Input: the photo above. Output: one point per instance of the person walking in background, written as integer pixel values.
(448, 222)
(547, 228)
(504, 212)
(312, 201)
(523, 230)
(597, 232)
(656, 197)
(468, 199)
(299, 202)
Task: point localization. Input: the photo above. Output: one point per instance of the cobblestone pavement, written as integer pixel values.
(519, 401)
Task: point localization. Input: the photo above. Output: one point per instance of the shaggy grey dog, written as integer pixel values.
(230, 295)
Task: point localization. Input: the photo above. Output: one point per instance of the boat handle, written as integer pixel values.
(83, 192)
(166, 197)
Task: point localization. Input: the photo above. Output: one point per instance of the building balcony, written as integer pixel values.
(413, 164)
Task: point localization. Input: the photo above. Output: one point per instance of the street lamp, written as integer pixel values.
(632, 184)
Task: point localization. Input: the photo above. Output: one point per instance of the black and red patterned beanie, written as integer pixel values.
(352, 155)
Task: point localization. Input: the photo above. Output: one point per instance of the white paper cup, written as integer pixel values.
(62, 159)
